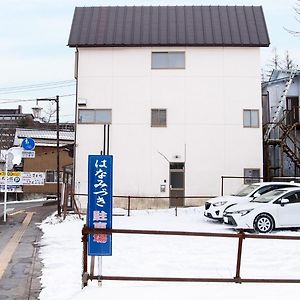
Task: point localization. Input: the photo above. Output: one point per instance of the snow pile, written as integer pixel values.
(170, 256)
(61, 252)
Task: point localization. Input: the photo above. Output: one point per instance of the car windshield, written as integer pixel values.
(246, 190)
(270, 196)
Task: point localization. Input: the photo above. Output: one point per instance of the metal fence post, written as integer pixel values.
(237, 277)
(128, 207)
(222, 185)
(84, 257)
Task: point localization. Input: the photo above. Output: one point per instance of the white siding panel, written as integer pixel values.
(204, 105)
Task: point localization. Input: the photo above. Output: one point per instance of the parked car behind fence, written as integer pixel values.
(214, 208)
(276, 209)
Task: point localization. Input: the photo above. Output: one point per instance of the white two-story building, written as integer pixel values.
(172, 92)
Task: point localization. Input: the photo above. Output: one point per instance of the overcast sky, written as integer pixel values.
(34, 35)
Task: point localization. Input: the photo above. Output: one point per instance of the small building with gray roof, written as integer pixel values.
(173, 93)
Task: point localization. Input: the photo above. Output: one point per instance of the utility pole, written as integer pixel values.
(56, 100)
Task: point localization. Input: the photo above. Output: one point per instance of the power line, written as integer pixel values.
(37, 85)
(4, 101)
(36, 89)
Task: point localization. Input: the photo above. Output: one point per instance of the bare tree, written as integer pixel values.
(273, 64)
(275, 59)
(288, 62)
(49, 113)
(297, 17)
(277, 62)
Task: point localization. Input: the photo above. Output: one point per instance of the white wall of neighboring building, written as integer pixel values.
(204, 103)
(275, 91)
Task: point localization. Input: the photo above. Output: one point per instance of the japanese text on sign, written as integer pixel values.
(100, 203)
(23, 178)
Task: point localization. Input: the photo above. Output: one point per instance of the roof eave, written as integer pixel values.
(164, 45)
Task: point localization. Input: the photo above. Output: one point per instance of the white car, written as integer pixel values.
(276, 209)
(214, 208)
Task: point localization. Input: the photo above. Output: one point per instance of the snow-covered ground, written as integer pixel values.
(170, 256)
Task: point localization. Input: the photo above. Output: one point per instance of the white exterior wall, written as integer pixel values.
(204, 103)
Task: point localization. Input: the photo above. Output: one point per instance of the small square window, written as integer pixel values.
(51, 176)
(255, 173)
(168, 60)
(94, 116)
(251, 118)
(158, 117)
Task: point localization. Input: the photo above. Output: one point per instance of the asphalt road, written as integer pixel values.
(13, 206)
(19, 243)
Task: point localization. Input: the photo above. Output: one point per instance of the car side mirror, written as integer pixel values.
(257, 194)
(284, 201)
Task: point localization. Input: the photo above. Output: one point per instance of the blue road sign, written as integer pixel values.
(28, 144)
(100, 203)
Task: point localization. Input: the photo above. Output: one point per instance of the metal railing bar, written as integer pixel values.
(174, 279)
(192, 279)
(155, 197)
(87, 230)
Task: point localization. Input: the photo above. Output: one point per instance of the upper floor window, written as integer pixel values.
(94, 116)
(251, 118)
(168, 60)
(158, 117)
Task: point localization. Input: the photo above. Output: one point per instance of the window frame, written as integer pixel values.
(168, 67)
(158, 110)
(278, 201)
(94, 115)
(54, 172)
(251, 111)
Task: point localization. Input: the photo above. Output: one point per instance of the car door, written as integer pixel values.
(289, 214)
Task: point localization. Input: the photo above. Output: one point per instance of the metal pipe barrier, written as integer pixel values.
(275, 179)
(129, 199)
(236, 177)
(237, 279)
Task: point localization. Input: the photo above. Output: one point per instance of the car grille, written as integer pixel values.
(231, 221)
(207, 205)
(209, 215)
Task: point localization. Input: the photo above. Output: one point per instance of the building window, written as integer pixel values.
(94, 116)
(51, 176)
(158, 117)
(255, 173)
(168, 60)
(251, 118)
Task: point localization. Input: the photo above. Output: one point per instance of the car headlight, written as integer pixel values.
(219, 203)
(242, 212)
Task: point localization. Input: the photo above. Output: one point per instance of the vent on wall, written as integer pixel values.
(82, 102)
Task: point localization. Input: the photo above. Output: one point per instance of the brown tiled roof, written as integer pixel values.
(136, 26)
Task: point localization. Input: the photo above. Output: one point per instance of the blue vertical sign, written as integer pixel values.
(100, 203)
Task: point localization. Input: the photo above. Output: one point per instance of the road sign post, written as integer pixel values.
(5, 189)
(9, 157)
(13, 156)
(99, 203)
(28, 144)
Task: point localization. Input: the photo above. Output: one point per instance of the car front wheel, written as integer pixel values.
(263, 223)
